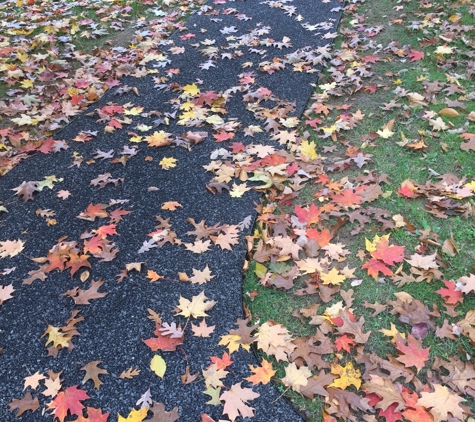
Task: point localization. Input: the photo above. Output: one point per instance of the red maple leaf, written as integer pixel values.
(406, 191)
(222, 363)
(307, 215)
(93, 415)
(374, 267)
(450, 295)
(415, 55)
(321, 237)
(162, 342)
(389, 254)
(68, 400)
(344, 343)
(414, 354)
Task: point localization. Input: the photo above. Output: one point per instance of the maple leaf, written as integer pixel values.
(309, 215)
(415, 55)
(389, 254)
(134, 415)
(274, 339)
(162, 341)
(414, 354)
(296, 378)
(92, 373)
(202, 330)
(262, 374)
(222, 362)
(425, 262)
(33, 380)
(353, 327)
(375, 266)
(344, 343)
(168, 163)
(68, 400)
(451, 296)
(235, 402)
(441, 402)
(201, 277)
(213, 376)
(333, 277)
(348, 375)
(26, 403)
(195, 308)
(93, 415)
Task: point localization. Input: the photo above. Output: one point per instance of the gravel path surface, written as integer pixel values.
(115, 325)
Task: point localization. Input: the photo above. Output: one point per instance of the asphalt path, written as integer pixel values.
(114, 326)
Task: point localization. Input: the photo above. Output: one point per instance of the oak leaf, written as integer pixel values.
(92, 373)
(161, 415)
(26, 403)
(129, 373)
(317, 384)
(387, 391)
(11, 248)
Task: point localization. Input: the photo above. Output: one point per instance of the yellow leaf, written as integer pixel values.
(371, 246)
(214, 120)
(191, 90)
(449, 112)
(348, 376)
(27, 83)
(333, 277)
(393, 332)
(444, 50)
(168, 162)
(231, 342)
(260, 270)
(134, 415)
(136, 139)
(307, 149)
(158, 365)
(385, 133)
(134, 111)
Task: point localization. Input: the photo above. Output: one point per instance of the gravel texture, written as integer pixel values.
(114, 326)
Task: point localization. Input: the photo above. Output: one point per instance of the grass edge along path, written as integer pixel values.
(393, 111)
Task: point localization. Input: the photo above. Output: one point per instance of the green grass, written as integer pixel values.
(442, 155)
